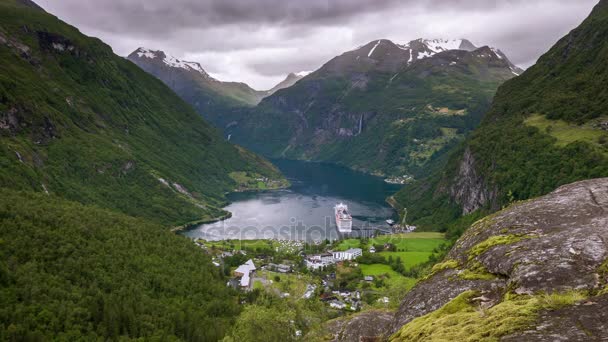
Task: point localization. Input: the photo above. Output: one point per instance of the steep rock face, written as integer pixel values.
(556, 243)
(469, 188)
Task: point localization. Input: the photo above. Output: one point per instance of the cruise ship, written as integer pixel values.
(343, 219)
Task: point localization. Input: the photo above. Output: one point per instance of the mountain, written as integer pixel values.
(98, 160)
(210, 97)
(546, 128)
(82, 123)
(290, 80)
(383, 108)
(191, 82)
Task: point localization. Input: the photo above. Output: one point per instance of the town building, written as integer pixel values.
(245, 272)
(350, 254)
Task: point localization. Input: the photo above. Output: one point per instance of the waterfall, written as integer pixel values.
(360, 124)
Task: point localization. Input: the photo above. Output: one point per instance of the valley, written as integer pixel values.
(428, 190)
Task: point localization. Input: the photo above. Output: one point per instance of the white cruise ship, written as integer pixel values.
(343, 219)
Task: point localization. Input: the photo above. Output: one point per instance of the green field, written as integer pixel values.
(412, 248)
(567, 133)
(257, 245)
(349, 243)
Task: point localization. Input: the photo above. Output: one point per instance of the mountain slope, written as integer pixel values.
(383, 108)
(82, 123)
(546, 128)
(290, 80)
(192, 83)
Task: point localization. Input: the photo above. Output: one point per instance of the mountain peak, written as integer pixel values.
(170, 61)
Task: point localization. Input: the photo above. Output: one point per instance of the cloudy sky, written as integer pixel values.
(260, 41)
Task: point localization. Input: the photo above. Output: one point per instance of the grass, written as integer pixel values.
(349, 243)
(412, 242)
(238, 245)
(408, 259)
(378, 269)
(485, 245)
(412, 248)
(459, 320)
(567, 133)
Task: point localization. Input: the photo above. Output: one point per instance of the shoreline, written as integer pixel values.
(192, 224)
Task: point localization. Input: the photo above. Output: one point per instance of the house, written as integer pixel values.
(244, 272)
(368, 279)
(350, 254)
(372, 249)
(279, 268)
(318, 261)
(337, 305)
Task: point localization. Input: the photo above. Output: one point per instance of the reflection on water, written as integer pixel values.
(305, 211)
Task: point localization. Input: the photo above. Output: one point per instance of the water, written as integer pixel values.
(305, 211)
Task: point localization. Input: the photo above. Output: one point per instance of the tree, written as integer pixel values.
(258, 323)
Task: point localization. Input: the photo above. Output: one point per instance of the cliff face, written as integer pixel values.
(469, 189)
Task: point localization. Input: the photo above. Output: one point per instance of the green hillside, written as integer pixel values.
(97, 160)
(82, 123)
(72, 272)
(546, 128)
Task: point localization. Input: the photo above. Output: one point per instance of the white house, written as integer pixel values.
(320, 260)
(350, 254)
(372, 249)
(244, 272)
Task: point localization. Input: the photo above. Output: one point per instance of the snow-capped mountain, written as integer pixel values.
(386, 56)
(170, 61)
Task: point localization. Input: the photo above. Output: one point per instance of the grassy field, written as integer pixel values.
(349, 243)
(412, 248)
(238, 245)
(567, 133)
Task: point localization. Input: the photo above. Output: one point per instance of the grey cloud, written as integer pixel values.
(259, 41)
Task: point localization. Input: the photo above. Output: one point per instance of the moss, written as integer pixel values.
(450, 263)
(460, 320)
(603, 272)
(485, 245)
(476, 271)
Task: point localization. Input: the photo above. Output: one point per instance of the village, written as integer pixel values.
(345, 276)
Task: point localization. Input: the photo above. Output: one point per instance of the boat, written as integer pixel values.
(390, 222)
(343, 219)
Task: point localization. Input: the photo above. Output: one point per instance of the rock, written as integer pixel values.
(469, 189)
(367, 326)
(557, 242)
(586, 322)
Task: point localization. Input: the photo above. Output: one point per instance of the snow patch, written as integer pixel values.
(497, 52)
(171, 61)
(143, 52)
(303, 73)
(371, 52)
